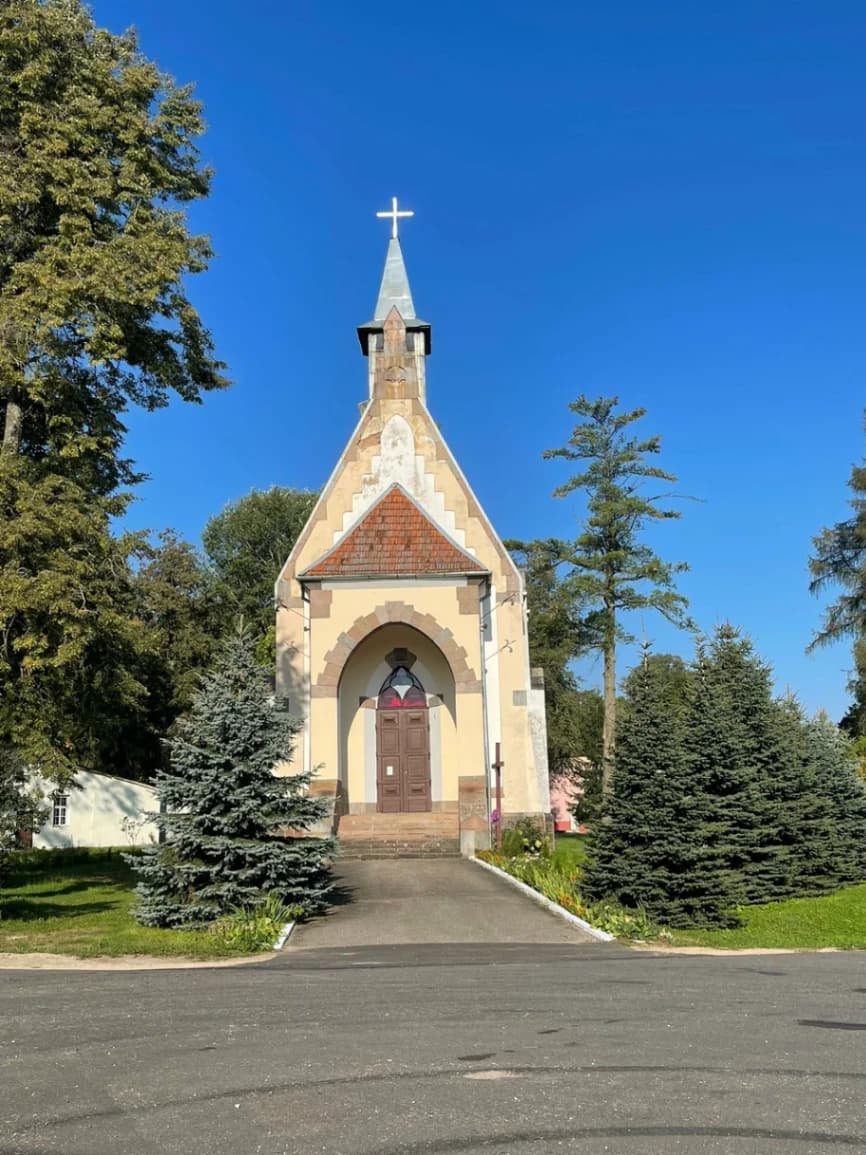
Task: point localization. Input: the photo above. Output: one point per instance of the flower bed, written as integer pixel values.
(559, 883)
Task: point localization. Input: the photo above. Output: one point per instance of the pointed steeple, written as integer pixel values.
(394, 292)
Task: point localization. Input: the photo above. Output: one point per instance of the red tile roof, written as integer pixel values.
(394, 537)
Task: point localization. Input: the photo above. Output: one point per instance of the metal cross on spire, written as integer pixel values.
(394, 213)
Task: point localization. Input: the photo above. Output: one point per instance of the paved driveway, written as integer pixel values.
(428, 901)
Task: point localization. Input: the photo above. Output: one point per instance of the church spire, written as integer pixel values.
(394, 293)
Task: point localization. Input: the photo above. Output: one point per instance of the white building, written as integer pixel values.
(98, 810)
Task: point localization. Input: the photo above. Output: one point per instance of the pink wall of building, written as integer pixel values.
(564, 792)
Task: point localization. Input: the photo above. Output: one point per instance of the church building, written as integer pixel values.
(401, 624)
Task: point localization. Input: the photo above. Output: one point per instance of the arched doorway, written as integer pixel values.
(402, 745)
(366, 672)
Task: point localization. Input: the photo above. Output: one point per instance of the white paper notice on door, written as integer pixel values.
(389, 770)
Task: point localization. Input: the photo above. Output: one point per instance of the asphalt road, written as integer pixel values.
(449, 1048)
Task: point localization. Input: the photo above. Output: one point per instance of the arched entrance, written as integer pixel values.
(365, 675)
(402, 745)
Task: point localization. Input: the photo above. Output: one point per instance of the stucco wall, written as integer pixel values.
(96, 807)
(342, 735)
(397, 442)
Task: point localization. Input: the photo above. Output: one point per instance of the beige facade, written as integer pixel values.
(352, 609)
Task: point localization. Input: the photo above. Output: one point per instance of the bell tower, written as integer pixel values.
(396, 341)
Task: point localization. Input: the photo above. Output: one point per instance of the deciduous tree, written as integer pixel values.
(557, 635)
(98, 157)
(246, 545)
(98, 154)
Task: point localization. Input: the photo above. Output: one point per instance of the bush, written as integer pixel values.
(525, 837)
(253, 928)
(64, 856)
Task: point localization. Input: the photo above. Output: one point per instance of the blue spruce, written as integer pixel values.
(842, 789)
(657, 848)
(233, 830)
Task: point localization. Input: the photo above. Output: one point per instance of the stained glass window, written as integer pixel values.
(401, 689)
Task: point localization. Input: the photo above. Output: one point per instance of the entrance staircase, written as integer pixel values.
(424, 835)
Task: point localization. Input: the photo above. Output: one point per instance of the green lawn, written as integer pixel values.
(835, 920)
(570, 849)
(78, 902)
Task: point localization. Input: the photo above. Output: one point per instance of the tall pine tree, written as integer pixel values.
(232, 827)
(612, 569)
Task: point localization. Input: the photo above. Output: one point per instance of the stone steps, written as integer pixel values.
(356, 848)
(399, 835)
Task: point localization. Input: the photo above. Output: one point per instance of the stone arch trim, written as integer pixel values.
(466, 680)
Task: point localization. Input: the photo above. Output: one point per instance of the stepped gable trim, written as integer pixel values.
(372, 546)
(373, 408)
(466, 680)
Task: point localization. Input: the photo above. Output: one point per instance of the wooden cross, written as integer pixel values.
(498, 767)
(394, 213)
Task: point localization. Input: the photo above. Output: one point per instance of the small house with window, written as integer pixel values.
(97, 810)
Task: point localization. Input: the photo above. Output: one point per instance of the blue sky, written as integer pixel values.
(664, 202)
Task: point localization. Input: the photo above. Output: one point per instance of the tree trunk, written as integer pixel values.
(12, 429)
(608, 734)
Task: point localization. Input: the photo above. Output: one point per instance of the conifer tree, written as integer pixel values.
(231, 825)
(747, 751)
(731, 744)
(612, 569)
(840, 559)
(837, 781)
(733, 799)
(854, 721)
(659, 847)
(806, 844)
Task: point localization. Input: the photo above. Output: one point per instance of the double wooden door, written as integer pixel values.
(402, 760)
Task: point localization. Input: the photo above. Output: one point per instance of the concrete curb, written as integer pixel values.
(593, 931)
(43, 961)
(284, 936)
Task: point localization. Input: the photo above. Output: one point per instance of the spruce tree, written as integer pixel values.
(231, 826)
(805, 838)
(840, 786)
(747, 751)
(658, 847)
(733, 738)
(719, 762)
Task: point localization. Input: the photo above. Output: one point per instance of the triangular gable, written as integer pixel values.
(395, 537)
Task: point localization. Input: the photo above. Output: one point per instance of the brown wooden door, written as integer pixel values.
(402, 761)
